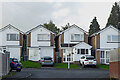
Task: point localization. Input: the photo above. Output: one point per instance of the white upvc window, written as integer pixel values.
(82, 51)
(109, 38)
(77, 37)
(43, 37)
(12, 37)
(113, 38)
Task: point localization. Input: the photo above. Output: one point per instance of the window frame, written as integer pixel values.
(8, 37)
(73, 37)
(48, 39)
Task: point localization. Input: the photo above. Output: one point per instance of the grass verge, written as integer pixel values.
(30, 64)
(103, 66)
(9, 75)
(65, 65)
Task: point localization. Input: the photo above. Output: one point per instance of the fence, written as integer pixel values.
(4, 63)
(115, 63)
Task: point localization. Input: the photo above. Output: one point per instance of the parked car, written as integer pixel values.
(15, 65)
(87, 60)
(47, 61)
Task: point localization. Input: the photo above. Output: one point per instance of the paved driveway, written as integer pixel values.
(64, 73)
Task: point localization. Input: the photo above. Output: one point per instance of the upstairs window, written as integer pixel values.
(12, 37)
(77, 37)
(43, 37)
(113, 38)
(108, 38)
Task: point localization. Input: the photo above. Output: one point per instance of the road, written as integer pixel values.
(64, 73)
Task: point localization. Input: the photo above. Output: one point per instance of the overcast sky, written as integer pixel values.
(27, 15)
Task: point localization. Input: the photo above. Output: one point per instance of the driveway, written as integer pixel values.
(64, 73)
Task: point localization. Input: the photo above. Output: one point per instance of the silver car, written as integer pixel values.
(47, 61)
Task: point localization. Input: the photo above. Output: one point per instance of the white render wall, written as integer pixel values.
(67, 34)
(0, 38)
(14, 53)
(35, 54)
(34, 34)
(103, 39)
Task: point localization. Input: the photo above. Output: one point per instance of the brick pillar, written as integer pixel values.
(61, 55)
(115, 64)
(98, 57)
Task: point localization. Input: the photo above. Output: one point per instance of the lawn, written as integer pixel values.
(101, 66)
(65, 65)
(30, 64)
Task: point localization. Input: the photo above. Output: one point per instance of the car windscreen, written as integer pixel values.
(15, 60)
(47, 58)
(90, 58)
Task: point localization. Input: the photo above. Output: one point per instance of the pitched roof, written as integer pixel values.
(74, 26)
(37, 28)
(110, 26)
(8, 26)
(74, 45)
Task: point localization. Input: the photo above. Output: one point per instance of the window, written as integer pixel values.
(82, 37)
(113, 38)
(82, 57)
(86, 51)
(68, 58)
(12, 37)
(77, 37)
(107, 54)
(43, 37)
(102, 54)
(108, 38)
(78, 52)
(82, 51)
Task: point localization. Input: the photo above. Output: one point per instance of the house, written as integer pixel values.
(11, 40)
(40, 43)
(73, 43)
(103, 41)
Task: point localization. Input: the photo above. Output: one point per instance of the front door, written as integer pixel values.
(104, 57)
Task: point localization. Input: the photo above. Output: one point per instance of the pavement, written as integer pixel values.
(51, 72)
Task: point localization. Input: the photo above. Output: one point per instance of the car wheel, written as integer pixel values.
(19, 70)
(10, 70)
(94, 66)
(83, 66)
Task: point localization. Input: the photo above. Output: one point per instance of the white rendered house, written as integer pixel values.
(73, 42)
(11, 39)
(103, 41)
(40, 43)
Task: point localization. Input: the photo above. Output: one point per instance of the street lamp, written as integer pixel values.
(68, 50)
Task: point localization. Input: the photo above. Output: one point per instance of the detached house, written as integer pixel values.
(40, 43)
(103, 41)
(11, 39)
(73, 42)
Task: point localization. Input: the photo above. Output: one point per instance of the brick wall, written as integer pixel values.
(98, 57)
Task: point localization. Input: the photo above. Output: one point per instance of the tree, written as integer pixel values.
(65, 27)
(114, 18)
(52, 27)
(94, 26)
